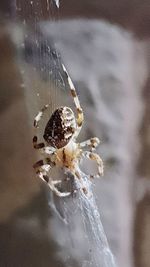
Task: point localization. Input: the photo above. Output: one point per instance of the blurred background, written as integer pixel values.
(105, 47)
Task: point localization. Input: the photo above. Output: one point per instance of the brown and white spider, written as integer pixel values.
(60, 147)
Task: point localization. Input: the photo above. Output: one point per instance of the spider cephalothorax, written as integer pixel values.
(60, 127)
(61, 147)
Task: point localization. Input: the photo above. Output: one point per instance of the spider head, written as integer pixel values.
(60, 127)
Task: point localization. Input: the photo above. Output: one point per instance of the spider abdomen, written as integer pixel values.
(60, 127)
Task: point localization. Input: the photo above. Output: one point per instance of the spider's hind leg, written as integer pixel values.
(79, 110)
(37, 118)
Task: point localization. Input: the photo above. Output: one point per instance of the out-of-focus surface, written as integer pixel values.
(24, 207)
(14, 145)
(112, 67)
(133, 15)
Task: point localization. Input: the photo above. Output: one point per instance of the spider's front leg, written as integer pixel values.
(52, 185)
(96, 157)
(43, 165)
(42, 168)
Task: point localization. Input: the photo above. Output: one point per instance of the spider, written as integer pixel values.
(60, 146)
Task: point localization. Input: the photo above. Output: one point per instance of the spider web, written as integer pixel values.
(80, 227)
(82, 213)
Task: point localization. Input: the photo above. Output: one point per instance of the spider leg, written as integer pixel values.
(52, 184)
(36, 145)
(55, 182)
(43, 148)
(92, 143)
(80, 116)
(96, 157)
(84, 189)
(39, 116)
(42, 167)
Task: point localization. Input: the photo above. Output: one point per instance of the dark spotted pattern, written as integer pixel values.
(56, 130)
(73, 93)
